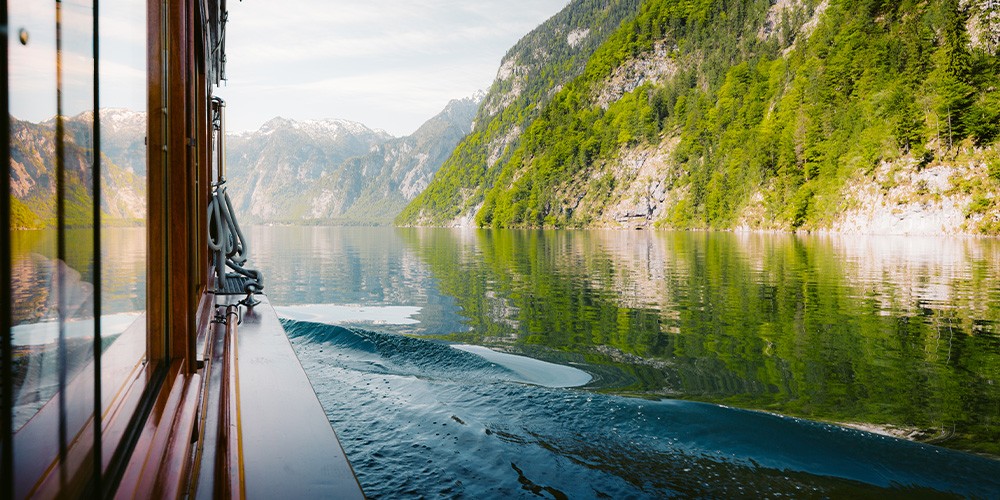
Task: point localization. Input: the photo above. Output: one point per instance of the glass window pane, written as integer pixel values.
(54, 164)
(53, 167)
(123, 188)
(33, 201)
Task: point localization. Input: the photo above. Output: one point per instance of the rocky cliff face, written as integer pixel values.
(33, 169)
(530, 74)
(336, 170)
(321, 171)
(789, 115)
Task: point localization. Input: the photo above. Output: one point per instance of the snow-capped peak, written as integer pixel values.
(334, 127)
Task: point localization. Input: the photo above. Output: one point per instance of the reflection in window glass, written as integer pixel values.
(33, 233)
(123, 186)
(33, 255)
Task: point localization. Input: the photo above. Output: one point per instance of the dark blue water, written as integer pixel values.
(420, 419)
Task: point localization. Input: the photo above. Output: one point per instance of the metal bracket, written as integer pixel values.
(249, 301)
(231, 309)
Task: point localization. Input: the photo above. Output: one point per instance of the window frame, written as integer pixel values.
(151, 371)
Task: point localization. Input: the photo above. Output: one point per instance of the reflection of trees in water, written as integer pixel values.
(892, 331)
(35, 295)
(123, 282)
(35, 304)
(30, 286)
(33, 279)
(34, 301)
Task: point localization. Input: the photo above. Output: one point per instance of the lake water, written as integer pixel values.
(619, 364)
(34, 304)
(625, 364)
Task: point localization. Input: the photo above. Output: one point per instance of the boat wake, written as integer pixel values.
(384, 353)
(419, 418)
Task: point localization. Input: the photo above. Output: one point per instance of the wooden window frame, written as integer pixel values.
(149, 374)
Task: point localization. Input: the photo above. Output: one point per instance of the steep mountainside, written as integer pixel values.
(337, 171)
(33, 173)
(288, 171)
(123, 136)
(529, 75)
(848, 115)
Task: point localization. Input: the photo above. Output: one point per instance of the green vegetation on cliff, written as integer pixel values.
(34, 173)
(21, 217)
(533, 70)
(786, 102)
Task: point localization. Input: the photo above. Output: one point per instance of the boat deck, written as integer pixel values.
(285, 445)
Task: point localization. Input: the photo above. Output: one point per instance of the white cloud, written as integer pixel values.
(402, 60)
(387, 63)
(383, 99)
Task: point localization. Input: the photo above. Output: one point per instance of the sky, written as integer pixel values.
(32, 65)
(387, 64)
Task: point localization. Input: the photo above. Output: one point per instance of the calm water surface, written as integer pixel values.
(34, 285)
(679, 334)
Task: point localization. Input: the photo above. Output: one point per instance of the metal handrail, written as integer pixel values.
(219, 126)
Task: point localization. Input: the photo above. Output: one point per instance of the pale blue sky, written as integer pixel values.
(386, 63)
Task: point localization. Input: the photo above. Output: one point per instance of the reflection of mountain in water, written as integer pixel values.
(34, 294)
(796, 325)
(417, 416)
(351, 267)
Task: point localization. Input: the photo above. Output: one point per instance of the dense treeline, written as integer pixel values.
(21, 217)
(792, 113)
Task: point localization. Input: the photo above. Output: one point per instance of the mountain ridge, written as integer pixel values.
(337, 171)
(530, 73)
(798, 115)
(287, 171)
(32, 168)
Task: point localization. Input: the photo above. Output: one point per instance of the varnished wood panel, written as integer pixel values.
(156, 184)
(178, 178)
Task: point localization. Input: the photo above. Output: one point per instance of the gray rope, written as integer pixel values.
(228, 243)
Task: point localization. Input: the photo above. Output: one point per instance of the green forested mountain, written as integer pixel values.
(531, 73)
(841, 114)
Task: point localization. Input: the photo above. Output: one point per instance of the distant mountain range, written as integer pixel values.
(336, 170)
(788, 115)
(320, 171)
(33, 168)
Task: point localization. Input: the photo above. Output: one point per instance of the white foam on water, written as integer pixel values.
(532, 371)
(336, 314)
